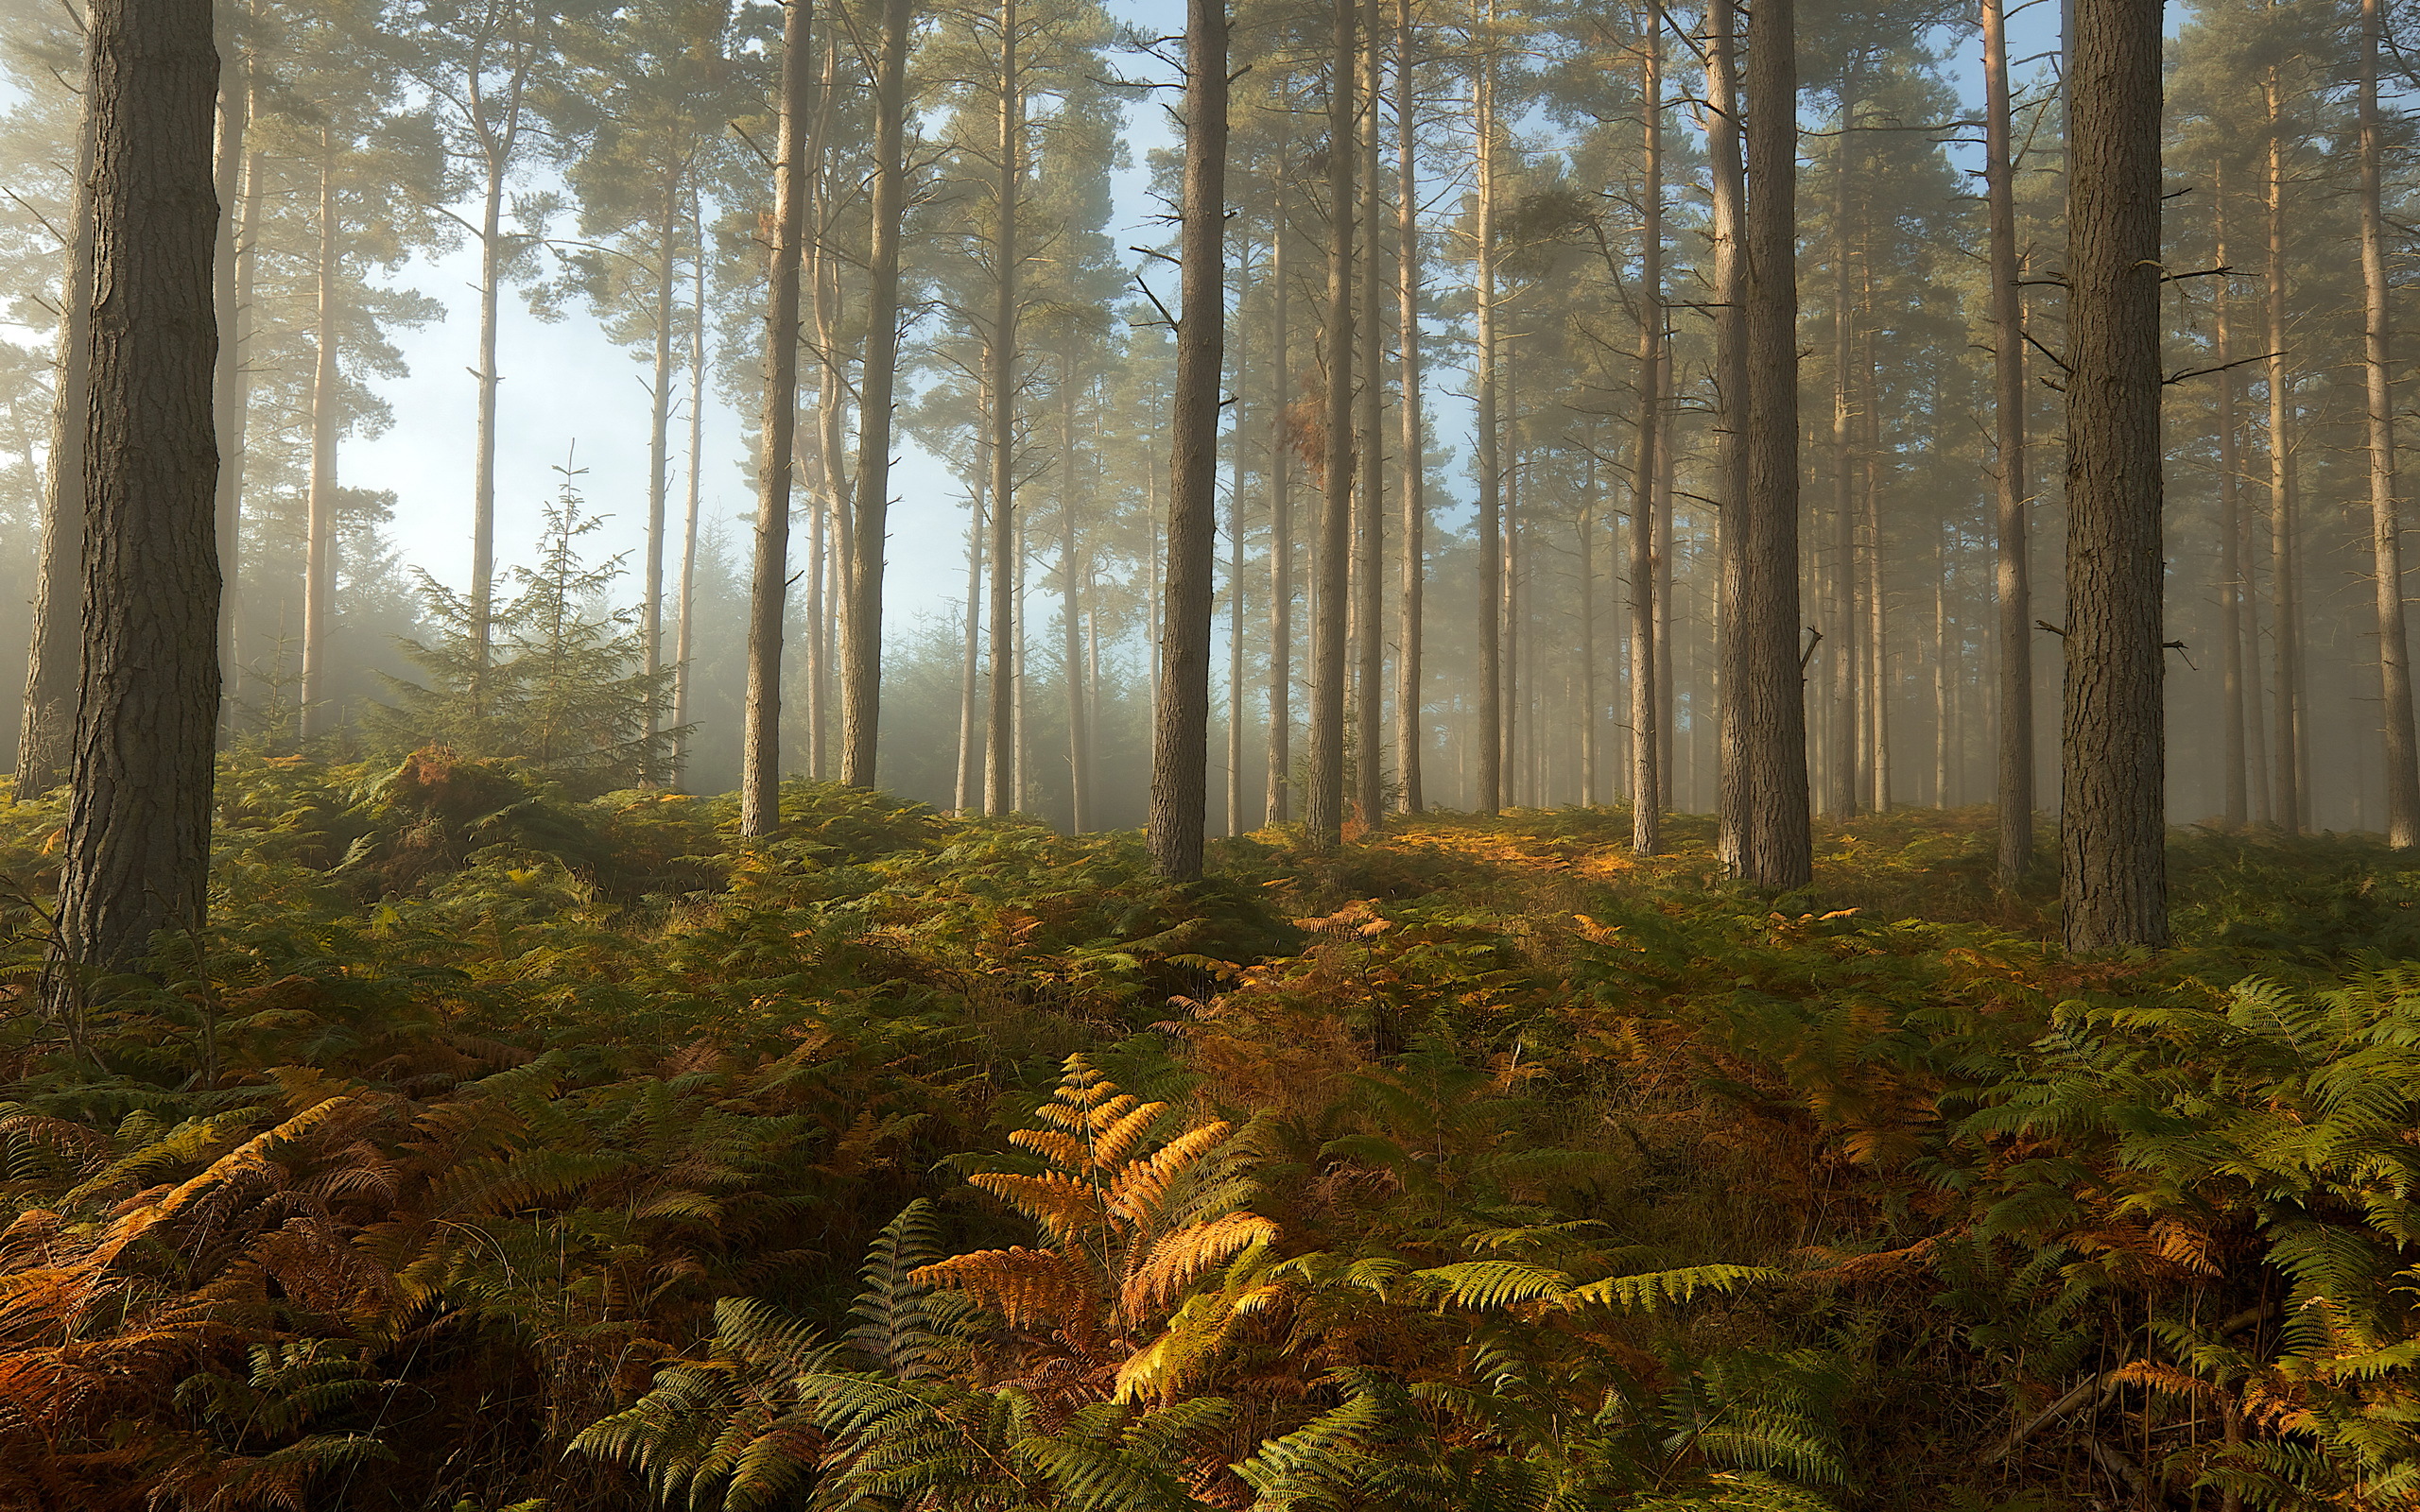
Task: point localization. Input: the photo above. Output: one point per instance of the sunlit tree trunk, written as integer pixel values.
(1235, 592)
(2386, 531)
(1726, 232)
(317, 706)
(135, 856)
(1591, 713)
(1841, 765)
(47, 736)
(970, 724)
(1410, 441)
(1369, 681)
(231, 388)
(861, 613)
(2113, 871)
(1004, 791)
(1650, 658)
(760, 773)
(1281, 513)
(1487, 439)
(2285, 567)
(1323, 806)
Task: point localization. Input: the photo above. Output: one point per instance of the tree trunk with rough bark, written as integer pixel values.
(1071, 610)
(760, 770)
(1487, 440)
(1727, 230)
(2113, 868)
(1181, 720)
(1769, 842)
(1368, 678)
(685, 644)
(658, 459)
(1323, 805)
(1002, 793)
(230, 389)
(2233, 563)
(137, 849)
(1281, 513)
(2284, 569)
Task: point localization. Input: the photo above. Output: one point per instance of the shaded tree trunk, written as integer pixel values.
(2012, 788)
(760, 773)
(1180, 725)
(1768, 842)
(46, 735)
(1842, 768)
(2386, 531)
(2233, 563)
(2285, 568)
(1410, 441)
(970, 725)
(2113, 870)
(1235, 596)
(136, 854)
(1071, 629)
(861, 613)
(1323, 805)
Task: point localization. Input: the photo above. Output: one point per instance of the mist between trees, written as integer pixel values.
(1501, 462)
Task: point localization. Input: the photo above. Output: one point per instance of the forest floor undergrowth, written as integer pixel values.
(493, 1148)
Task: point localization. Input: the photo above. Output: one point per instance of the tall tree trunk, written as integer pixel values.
(1071, 637)
(1369, 681)
(319, 531)
(685, 645)
(1940, 667)
(1323, 805)
(659, 455)
(2013, 790)
(970, 725)
(760, 772)
(1410, 440)
(1878, 633)
(1004, 793)
(229, 389)
(2113, 870)
(2284, 570)
(2386, 530)
(1281, 513)
(1770, 843)
(483, 459)
(1487, 439)
(862, 614)
(1181, 720)
(2234, 567)
(1727, 230)
(1666, 689)
(47, 737)
(137, 851)
(1650, 658)
(1591, 713)
(1236, 593)
(1847, 737)
(1508, 609)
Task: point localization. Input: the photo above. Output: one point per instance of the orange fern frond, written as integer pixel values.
(1028, 1287)
(1060, 1203)
(1181, 1258)
(1139, 1189)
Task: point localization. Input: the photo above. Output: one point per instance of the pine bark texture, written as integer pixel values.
(1368, 674)
(1487, 440)
(230, 387)
(1769, 841)
(1323, 804)
(2113, 871)
(760, 765)
(318, 707)
(1281, 511)
(137, 851)
(1727, 230)
(1003, 793)
(1181, 722)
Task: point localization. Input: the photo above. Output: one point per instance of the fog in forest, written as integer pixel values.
(587, 189)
